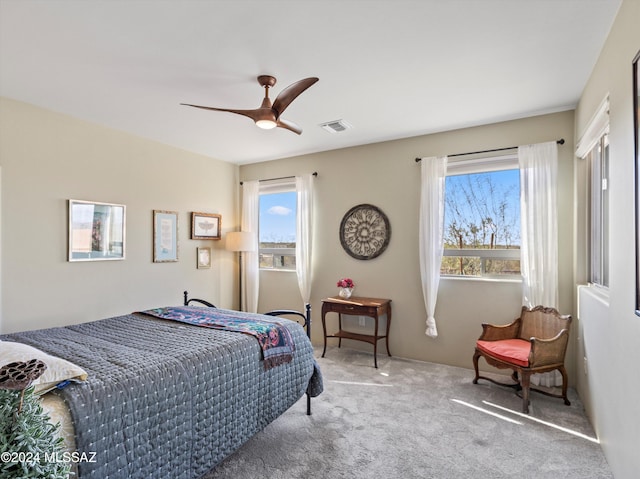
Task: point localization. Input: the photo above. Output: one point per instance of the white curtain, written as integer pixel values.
(431, 236)
(539, 223)
(539, 232)
(304, 218)
(250, 263)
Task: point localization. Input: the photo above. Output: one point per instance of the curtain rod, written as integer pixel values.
(315, 173)
(559, 142)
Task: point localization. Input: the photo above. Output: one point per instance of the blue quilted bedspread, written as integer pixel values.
(169, 400)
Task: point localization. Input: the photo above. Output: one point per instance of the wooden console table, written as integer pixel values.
(357, 306)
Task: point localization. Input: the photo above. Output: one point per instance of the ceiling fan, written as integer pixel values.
(268, 115)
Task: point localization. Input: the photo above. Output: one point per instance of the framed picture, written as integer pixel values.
(636, 135)
(205, 226)
(96, 231)
(204, 258)
(165, 236)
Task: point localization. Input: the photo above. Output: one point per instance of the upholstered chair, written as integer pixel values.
(536, 342)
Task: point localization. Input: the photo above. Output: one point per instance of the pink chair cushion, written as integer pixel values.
(514, 351)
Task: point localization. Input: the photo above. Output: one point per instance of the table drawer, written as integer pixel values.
(348, 309)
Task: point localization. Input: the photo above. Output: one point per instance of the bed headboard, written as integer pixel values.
(196, 300)
(306, 317)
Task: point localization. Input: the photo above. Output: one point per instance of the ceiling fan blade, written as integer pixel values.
(290, 93)
(253, 114)
(289, 125)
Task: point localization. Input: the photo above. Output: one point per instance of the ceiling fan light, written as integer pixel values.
(266, 124)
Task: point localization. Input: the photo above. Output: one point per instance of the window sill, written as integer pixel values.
(482, 279)
(597, 292)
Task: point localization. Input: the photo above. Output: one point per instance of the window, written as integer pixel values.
(593, 147)
(482, 218)
(277, 226)
(598, 159)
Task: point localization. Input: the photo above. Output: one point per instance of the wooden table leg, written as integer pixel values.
(375, 341)
(388, 325)
(324, 331)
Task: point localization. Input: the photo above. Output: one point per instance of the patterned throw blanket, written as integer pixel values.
(275, 340)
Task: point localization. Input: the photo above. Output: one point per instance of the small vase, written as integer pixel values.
(345, 292)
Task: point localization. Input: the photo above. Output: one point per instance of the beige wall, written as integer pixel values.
(386, 175)
(609, 329)
(47, 158)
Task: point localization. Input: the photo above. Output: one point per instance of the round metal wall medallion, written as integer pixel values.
(365, 231)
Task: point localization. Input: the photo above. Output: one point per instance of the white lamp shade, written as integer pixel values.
(239, 241)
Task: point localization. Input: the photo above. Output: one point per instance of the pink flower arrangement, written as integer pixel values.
(346, 283)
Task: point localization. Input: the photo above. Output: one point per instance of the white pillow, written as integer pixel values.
(58, 369)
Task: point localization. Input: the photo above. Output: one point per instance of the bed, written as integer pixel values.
(163, 398)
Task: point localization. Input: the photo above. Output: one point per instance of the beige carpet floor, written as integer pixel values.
(411, 419)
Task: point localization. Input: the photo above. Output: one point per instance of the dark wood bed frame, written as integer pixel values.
(306, 322)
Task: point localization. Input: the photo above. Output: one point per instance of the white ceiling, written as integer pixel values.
(393, 69)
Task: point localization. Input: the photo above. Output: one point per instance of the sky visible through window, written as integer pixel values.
(479, 205)
(278, 218)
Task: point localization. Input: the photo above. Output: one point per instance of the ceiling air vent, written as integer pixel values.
(336, 126)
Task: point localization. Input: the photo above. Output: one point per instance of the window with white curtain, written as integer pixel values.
(593, 147)
(482, 218)
(277, 225)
